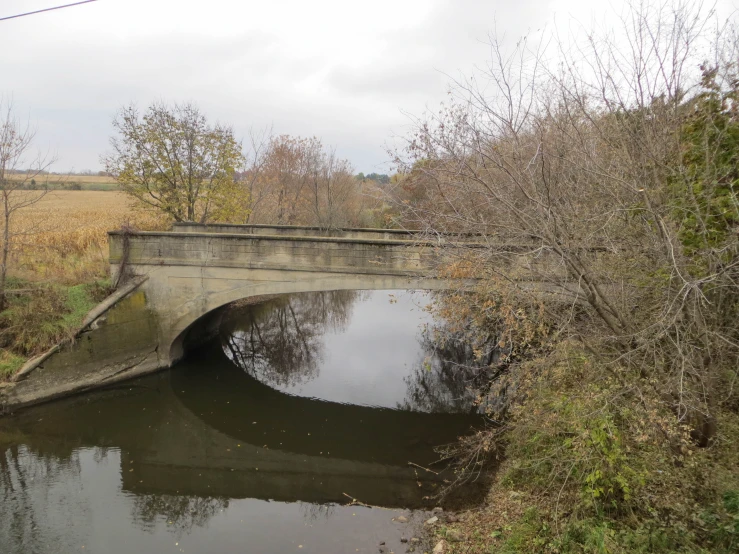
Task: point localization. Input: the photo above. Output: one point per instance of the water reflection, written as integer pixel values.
(280, 342)
(387, 355)
(26, 493)
(210, 450)
(258, 414)
(181, 513)
(316, 512)
(446, 374)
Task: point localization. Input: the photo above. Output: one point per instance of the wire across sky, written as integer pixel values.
(46, 10)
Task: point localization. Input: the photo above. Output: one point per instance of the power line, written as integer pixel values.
(47, 9)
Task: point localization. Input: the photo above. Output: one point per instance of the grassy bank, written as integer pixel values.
(41, 315)
(59, 268)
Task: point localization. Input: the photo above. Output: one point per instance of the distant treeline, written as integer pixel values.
(380, 178)
(84, 173)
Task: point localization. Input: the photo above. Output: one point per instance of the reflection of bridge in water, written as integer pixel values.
(174, 441)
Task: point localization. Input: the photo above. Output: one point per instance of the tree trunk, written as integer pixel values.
(6, 250)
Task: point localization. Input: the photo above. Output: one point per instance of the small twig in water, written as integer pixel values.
(423, 468)
(355, 502)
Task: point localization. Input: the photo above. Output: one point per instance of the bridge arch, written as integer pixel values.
(201, 317)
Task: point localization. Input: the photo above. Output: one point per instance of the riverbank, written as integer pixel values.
(592, 466)
(40, 315)
(58, 268)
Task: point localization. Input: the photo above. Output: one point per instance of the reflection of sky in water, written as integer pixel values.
(366, 361)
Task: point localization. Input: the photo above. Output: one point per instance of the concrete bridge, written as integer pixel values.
(194, 270)
(172, 286)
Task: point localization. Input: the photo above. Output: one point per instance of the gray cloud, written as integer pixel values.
(344, 71)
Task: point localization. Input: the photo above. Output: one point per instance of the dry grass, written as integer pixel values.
(63, 237)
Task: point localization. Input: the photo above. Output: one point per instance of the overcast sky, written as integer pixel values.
(346, 71)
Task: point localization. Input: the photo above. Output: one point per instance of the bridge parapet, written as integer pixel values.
(294, 231)
(275, 252)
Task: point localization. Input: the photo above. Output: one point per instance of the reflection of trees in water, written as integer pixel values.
(313, 512)
(181, 513)
(30, 483)
(446, 374)
(280, 342)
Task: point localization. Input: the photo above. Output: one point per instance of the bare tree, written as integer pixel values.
(568, 160)
(19, 167)
(297, 180)
(333, 191)
(291, 162)
(252, 179)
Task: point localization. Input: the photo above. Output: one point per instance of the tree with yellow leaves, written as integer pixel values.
(171, 159)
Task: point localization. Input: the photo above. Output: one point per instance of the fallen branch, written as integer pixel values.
(355, 502)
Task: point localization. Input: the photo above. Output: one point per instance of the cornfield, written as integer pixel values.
(64, 235)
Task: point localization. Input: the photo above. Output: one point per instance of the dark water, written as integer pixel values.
(254, 443)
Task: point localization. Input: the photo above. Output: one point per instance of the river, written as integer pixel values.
(257, 441)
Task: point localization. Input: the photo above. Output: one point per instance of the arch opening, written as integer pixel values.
(372, 348)
(199, 315)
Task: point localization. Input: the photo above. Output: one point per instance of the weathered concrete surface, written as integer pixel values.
(238, 251)
(120, 344)
(294, 231)
(193, 274)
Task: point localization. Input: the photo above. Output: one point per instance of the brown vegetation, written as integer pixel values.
(610, 177)
(67, 235)
(297, 181)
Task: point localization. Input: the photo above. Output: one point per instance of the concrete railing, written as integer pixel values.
(293, 231)
(285, 253)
